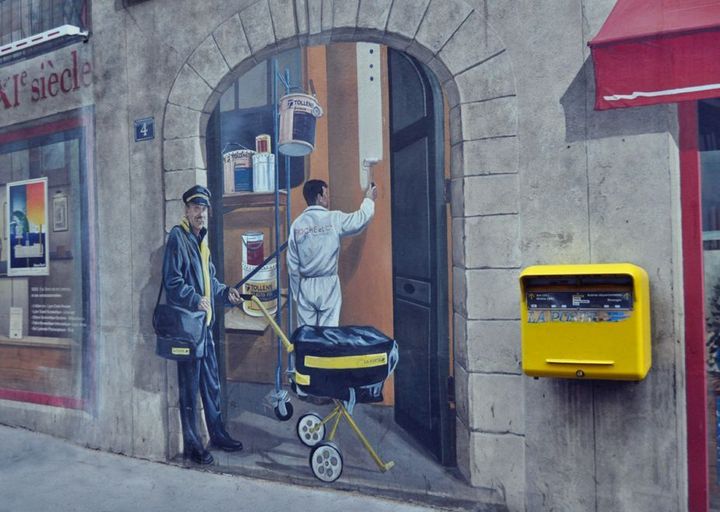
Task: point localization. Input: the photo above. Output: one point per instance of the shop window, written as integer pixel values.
(22, 19)
(46, 261)
(709, 118)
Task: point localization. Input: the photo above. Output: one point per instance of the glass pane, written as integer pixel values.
(408, 92)
(253, 87)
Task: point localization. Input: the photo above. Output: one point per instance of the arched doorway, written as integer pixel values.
(460, 47)
(395, 275)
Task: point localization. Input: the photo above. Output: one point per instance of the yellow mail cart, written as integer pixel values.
(585, 321)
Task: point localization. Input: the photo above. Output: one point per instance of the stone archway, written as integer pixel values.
(470, 61)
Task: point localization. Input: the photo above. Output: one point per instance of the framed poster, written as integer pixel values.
(27, 220)
(60, 213)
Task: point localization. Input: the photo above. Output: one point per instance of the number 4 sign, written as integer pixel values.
(144, 129)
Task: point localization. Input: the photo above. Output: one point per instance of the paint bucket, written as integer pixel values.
(263, 172)
(264, 286)
(238, 170)
(262, 143)
(252, 248)
(298, 113)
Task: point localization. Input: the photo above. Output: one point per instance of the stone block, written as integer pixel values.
(315, 14)
(493, 294)
(177, 182)
(257, 23)
(405, 17)
(489, 345)
(180, 122)
(440, 70)
(149, 435)
(209, 63)
(344, 14)
(494, 118)
(474, 42)
(420, 52)
(491, 194)
(183, 154)
(457, 197)
(492, 241)
(462, 443)
(459, 290)
(301, 13)
(457, 169)
(496, 403)
(395, 41)
(462, 393)
(491, 156)
(189, 89)
(442, 19)
(174, 210)
(497, 461)
(455, 126)
(326, 21)
(458, 241)
(452, 94)
(283, 19)
(232, 42)
(493, 78)
(460, 346)
(374, 14)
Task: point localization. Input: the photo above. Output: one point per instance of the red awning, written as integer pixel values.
(657, 51)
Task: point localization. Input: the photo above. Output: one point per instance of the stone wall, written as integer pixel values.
(537, 177)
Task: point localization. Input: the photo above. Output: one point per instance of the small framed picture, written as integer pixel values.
(60, 213)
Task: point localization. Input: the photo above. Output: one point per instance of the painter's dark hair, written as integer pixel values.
(312, 189)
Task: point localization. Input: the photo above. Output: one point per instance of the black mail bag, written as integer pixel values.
(178, 331)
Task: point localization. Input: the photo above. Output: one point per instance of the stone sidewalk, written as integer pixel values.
(39, 472)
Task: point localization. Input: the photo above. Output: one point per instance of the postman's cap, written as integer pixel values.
(198, 195)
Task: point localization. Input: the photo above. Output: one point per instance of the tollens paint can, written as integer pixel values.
(262, 143)
(253, 251)
(263, 172)
(298, 113)
(238, 170)
(264, 286)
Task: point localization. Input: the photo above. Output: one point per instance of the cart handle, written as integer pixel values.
(286, 343)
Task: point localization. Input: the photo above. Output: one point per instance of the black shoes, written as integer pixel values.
(226, 443)
(198, 455)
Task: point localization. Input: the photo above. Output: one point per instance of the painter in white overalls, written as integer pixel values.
(313, 251)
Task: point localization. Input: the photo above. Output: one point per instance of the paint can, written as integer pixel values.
(264, 286)
(298, 114)
(262, 143)
(263, 172)
(253, 251)
(238, 170)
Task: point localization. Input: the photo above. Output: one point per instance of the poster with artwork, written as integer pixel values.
(27, 227)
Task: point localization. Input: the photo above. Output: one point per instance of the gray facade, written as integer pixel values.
(538, 177)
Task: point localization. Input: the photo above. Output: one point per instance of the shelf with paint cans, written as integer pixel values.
(234, 200)
(238, 321)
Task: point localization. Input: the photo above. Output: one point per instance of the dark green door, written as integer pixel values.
(419, 240)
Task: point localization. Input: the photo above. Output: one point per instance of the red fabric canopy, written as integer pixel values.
(657, 51)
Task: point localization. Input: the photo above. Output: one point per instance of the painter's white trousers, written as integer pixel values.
(319, 300)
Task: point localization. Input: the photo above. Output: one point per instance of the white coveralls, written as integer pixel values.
(312, 259)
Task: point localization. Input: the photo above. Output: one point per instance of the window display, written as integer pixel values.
(46, 285)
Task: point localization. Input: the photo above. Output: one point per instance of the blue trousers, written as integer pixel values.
(200, 374)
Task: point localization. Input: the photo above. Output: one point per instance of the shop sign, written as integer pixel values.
(44, 79)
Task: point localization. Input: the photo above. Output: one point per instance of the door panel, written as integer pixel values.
(419, 240)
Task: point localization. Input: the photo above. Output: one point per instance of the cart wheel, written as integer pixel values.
(326, 462)
(284, 411)
(310, 429)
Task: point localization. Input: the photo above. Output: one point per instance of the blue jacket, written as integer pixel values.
(182, 274)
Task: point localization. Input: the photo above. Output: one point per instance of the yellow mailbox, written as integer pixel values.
(585, 321)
